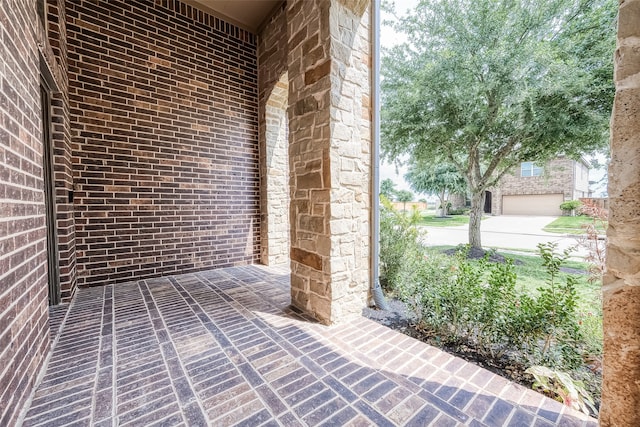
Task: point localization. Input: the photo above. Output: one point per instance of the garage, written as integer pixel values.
(532, 204)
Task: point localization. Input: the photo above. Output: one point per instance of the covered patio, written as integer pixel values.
(224, 347)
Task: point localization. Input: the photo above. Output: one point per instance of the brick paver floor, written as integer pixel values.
(222, 347)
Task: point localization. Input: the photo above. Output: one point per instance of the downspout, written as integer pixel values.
(376, 289)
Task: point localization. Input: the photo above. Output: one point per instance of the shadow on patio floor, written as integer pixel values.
(222, 347)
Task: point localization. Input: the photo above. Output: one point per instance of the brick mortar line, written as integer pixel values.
(114, 354)
(239, 352)
(151, 300)
(45, 365)
(138, 298)
(299, 358)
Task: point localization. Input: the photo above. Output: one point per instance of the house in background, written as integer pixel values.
(533, 189)
(143, 138)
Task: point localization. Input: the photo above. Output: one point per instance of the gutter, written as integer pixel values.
(376, 289)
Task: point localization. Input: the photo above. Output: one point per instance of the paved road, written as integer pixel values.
(510, 232)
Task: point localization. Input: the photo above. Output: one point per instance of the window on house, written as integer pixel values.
(530, 169)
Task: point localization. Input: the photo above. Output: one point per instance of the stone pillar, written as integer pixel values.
(330, 155)
(275, 250)
(621, 285)
(273, 92)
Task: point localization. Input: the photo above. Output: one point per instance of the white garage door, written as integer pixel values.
(532, 204)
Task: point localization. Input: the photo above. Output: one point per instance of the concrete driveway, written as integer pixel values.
(504, 232)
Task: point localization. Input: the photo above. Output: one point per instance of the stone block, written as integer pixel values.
(306, 258)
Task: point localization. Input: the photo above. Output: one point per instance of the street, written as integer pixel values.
(504, 232)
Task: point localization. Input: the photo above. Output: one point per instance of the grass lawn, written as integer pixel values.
(572, 225)
(436, 221)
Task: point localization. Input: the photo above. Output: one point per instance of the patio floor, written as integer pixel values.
(222, 347)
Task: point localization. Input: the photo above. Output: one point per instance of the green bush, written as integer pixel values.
(551, 334)
(477, 303)
(400, 248)
(570, 205)
(459, 211)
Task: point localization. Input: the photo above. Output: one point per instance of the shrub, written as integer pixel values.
(459, 211)
(460, 300)
(400, 248)
(570, 205)
(476, 302)
(555, 321)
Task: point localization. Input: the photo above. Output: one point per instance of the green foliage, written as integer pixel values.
(441, 179)
(388, 189)
(570, 205)
(459, 211)
(486, 84)
(552, 316)
(404, 196)
(477, 302)
(400, 248)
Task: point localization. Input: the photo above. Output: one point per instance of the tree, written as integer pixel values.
(442, 180)
(486, 84)
(388, 188)
(404, 196)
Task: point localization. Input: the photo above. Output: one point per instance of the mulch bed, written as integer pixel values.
(401, 319)
(477, 253)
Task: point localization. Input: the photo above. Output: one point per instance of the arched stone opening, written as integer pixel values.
(275, 236)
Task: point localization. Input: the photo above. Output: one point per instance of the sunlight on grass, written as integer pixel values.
(571, 225)
(449, 221)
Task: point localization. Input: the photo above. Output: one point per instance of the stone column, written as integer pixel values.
(330, 155)
(621, 285)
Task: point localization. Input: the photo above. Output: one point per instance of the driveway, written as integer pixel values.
(504, 232)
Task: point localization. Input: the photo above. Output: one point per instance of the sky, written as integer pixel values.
(390, 38)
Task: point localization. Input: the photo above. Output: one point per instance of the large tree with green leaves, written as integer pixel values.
(486, 84)
(388, 189)
(442, 180)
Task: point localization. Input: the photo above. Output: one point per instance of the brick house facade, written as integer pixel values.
(165, 159)
(158, 138)
(540, 190)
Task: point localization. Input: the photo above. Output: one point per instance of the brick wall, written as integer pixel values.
(23, 272)
(163, 102)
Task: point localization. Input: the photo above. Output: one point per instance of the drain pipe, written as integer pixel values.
(378, 296)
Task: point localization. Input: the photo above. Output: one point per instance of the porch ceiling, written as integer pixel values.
(246, 13)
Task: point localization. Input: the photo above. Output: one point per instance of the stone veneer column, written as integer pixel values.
(330, 155)
(275, 248)
(621, 287)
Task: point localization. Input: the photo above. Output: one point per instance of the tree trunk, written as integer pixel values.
(475, 217)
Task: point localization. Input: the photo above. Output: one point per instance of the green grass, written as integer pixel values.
(572, 225)
(435, 221)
